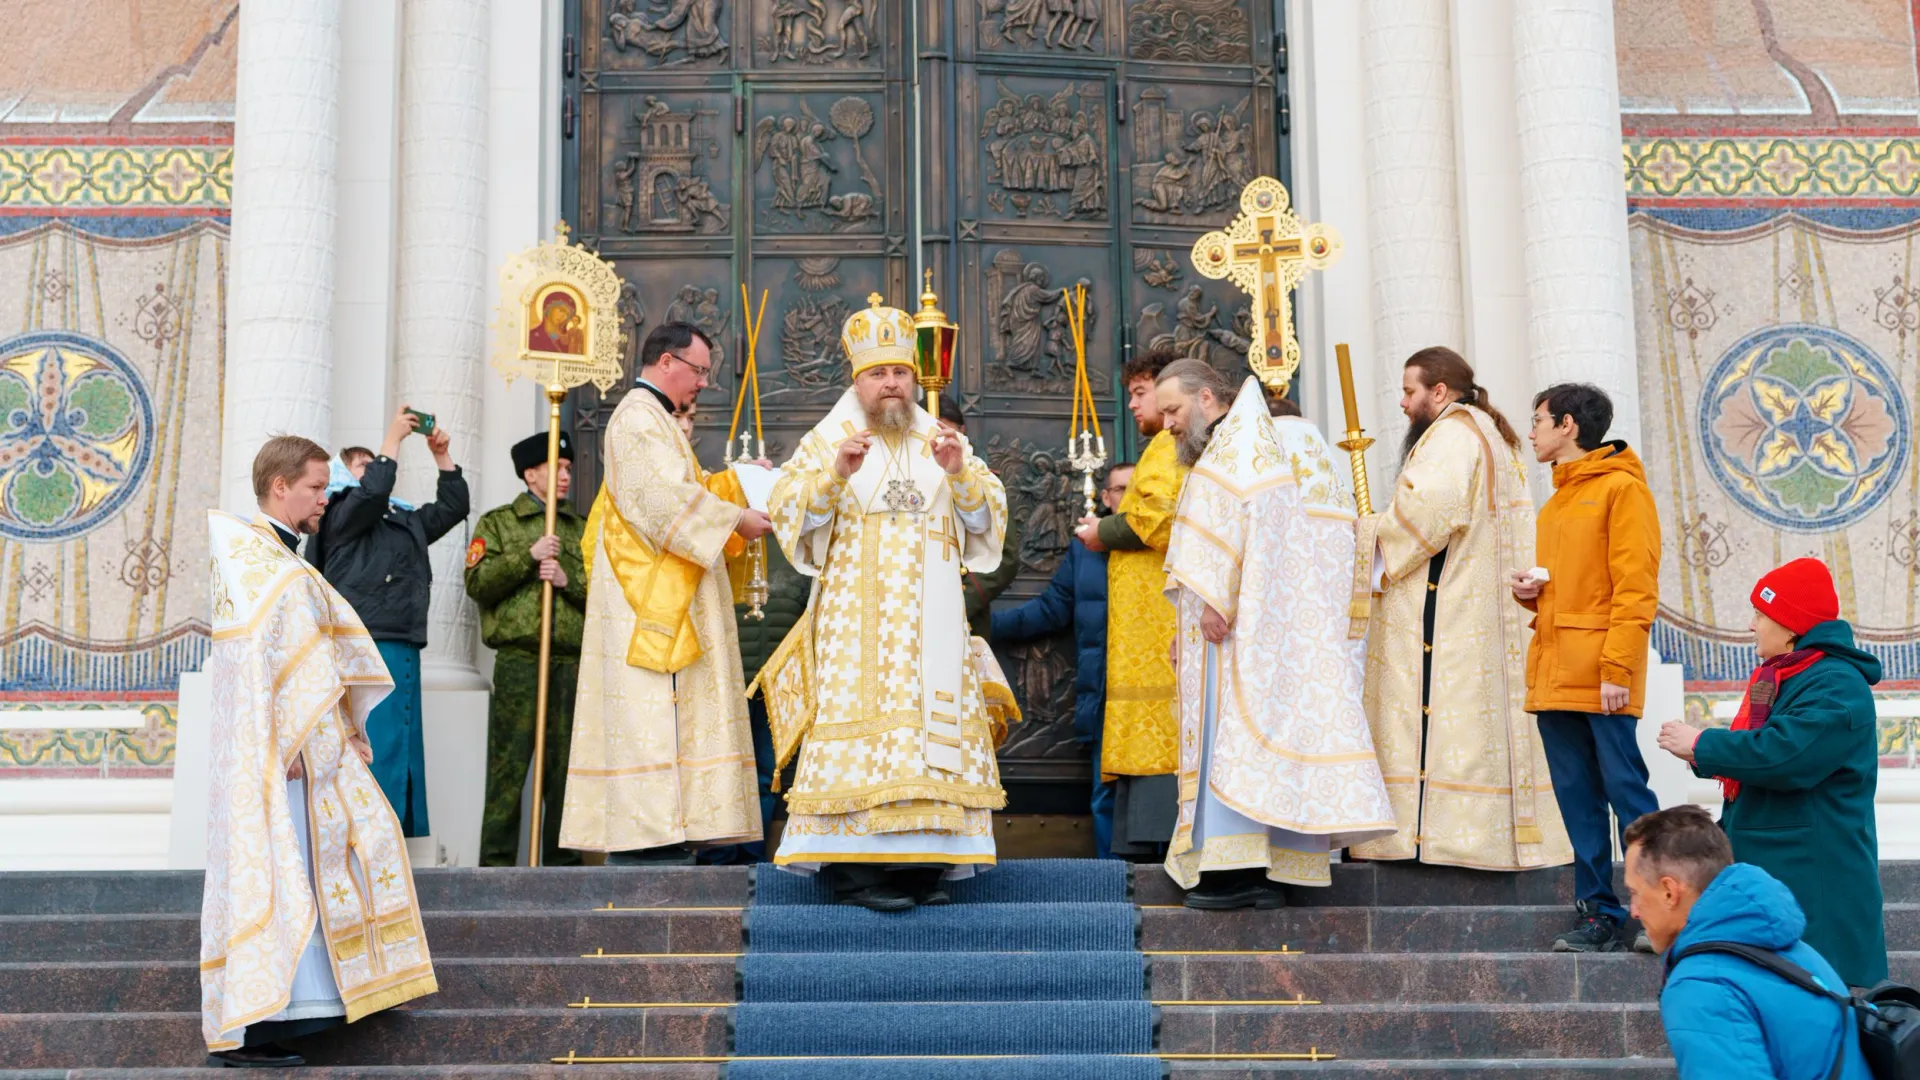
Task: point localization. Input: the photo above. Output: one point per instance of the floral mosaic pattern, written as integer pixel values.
(66, 745)
(70, 178)
(75, 434)
(1804, 427)
(1771, 166)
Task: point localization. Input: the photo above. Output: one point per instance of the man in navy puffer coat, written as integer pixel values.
(1725, 1016)
(1077, 598)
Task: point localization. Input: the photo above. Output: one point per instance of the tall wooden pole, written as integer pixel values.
(555, 394)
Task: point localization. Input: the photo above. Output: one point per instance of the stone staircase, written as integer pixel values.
(1403, 971)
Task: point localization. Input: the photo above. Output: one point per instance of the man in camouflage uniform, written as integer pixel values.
(506, 564)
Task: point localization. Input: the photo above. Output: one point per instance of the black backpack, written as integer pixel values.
(1887, 1016)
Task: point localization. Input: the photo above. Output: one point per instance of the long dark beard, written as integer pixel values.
(894, 417)
(1414, 430)
(1192, 443)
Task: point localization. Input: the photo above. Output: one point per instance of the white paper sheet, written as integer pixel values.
(757, 482)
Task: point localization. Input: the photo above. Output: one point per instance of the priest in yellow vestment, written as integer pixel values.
(1139, 745)
(662, 756)
(1447, 646)
(897, 779)
(308, 913)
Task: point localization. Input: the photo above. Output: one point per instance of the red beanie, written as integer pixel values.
(1798, 596)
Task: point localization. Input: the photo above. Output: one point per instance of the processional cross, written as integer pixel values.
(1266, 251)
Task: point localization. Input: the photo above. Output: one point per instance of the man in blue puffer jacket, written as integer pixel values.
(1077, 597)
(1725, 1016)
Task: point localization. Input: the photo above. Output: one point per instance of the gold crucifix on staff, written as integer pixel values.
(1266, 251)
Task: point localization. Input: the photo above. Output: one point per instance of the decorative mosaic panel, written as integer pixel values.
(66, 747)
(111, 176)
(1772, 167)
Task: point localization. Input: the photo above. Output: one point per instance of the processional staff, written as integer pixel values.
(586, 349)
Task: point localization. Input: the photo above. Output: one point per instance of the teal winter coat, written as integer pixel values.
(1805, 809)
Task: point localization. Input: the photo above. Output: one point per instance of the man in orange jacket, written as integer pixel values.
(1593, 595)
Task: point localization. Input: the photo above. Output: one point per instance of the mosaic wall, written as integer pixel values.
(115, 181)
(1772, 156)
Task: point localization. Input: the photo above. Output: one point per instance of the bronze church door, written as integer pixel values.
(804, 147)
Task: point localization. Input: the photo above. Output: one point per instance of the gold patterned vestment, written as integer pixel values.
(1141, 733)
(294, 676)
(662, 753)
(896, 751)
(1276, 761)
(1486, 799)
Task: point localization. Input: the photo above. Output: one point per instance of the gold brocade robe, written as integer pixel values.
(1142, 734)
(661, 752)
(882, 632)
(1486, 800)
(294, 675)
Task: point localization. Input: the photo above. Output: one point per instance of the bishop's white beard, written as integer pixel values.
(894, 417)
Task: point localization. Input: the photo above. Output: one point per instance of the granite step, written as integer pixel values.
(572, 933)
(1407, 884)
(1534, 1069)
(454, 889)
(430, 1036)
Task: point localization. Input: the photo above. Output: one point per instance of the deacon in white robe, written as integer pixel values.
(876, 688)
(1276, 760)
(308, 912)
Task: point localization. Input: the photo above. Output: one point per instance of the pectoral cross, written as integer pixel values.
(1266, 251)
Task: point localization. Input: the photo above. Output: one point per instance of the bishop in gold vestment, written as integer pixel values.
(1446, 653)
(662, 753)
(308, 909)
(877, 686)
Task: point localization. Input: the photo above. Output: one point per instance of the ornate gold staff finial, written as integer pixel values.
(1266, 251)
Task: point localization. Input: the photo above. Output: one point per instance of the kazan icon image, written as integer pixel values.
(557, 323)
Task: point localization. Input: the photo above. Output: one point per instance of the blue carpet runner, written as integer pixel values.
(1032, 973)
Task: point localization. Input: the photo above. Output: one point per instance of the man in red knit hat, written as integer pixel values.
(1799, 765)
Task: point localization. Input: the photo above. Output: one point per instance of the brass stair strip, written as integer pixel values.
(669, 910)
(603, 954)
(1313, 1054)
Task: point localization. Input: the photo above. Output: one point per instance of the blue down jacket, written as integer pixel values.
(1727, 1018)
(1077, 598)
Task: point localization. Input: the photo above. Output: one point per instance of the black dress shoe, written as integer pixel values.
(924, 884)
(1227, 891)
(264, 1056)
(878, 897)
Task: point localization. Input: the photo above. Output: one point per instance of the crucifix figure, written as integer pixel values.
(1266, 251)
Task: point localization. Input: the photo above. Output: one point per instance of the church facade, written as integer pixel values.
(221, 222)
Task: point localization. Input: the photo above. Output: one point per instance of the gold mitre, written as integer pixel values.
(878, 336)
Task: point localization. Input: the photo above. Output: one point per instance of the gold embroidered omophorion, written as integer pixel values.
(1141, 733)
(294, 675)
(1476, 792)
(662, 753)
(879, 688)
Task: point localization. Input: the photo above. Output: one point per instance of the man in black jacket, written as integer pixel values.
(373, 548)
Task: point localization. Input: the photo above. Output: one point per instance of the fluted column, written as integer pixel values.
(280, 277)
(1413, 212)
(441, 317)
(1567, 94)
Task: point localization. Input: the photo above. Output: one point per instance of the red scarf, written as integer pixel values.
(1763, 689)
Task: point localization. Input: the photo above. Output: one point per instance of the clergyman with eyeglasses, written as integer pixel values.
(662, 757)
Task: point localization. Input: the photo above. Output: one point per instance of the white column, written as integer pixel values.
(441, 316)
(281, 278)
(366, 233)
(1567, 92)
(1412, 207)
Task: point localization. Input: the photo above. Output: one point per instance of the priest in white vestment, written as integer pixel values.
(308, 913)
(876, 688)
(1276, 761)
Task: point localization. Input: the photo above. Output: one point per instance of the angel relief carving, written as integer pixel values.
(804, 171)
(1047, 157)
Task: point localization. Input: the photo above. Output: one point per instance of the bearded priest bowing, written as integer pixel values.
(1276, 761)
(897, 779)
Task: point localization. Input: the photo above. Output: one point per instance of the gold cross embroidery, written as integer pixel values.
(339, 893)
(360, 796)
(1266, 251)
(386, 878)
(326, 807)
(949, 544)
